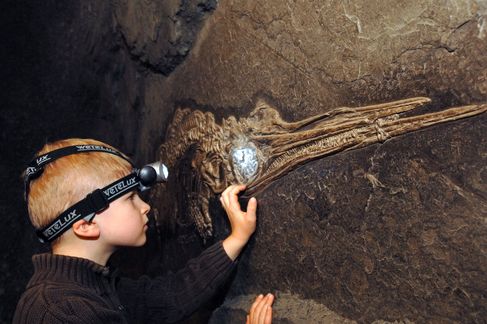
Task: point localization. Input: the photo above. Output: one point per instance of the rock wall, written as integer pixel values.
(390, 232)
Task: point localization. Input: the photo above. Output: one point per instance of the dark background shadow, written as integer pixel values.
(46, 94)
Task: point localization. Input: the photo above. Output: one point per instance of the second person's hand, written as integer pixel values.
(261, 310)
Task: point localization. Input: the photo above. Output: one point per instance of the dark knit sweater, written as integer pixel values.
(73, 290)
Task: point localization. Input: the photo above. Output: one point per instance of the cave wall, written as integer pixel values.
(407, 248)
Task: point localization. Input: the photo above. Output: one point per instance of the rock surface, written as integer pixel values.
(391, 232)
(381, 233)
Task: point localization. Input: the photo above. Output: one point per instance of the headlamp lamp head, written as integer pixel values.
(152, 173)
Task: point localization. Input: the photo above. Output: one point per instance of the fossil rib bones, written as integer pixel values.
(258, 149)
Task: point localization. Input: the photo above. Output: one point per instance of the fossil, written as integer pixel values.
(206, 156)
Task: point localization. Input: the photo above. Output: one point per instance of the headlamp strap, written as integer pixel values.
(35, 166)
(95, 202)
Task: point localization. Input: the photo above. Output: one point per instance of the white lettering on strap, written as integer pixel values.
(120, 186)
(30, 170)
(61, 224)
(42, 159)
(82, 148)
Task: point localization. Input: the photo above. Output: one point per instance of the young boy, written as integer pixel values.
(82, 198)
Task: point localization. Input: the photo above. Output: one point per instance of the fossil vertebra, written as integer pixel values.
(262, 147)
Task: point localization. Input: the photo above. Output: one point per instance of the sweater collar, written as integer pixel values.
(61, 268)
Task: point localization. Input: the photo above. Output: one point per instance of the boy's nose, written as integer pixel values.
(145, 207)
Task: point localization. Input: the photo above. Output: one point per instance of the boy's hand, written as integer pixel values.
(242, 223)
(261, 310)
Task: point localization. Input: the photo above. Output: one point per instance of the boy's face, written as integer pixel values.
(124, 223)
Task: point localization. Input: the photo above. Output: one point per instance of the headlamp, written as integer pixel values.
(152, 173)
(99, 199)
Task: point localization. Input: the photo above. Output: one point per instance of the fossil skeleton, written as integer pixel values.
(262, 147)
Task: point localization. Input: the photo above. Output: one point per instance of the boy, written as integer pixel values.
(81, 197)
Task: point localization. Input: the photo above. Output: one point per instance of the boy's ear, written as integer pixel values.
(86, 230)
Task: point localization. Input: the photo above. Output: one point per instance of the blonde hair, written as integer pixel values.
(69, 179)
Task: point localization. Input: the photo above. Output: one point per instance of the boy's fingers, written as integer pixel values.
(269, 299)
(237, 188)
(268, 316)
(263, 314)
(234, 189)
(226, 196)
(252, 207)
(234, 204)
(224, 200)
(230, 195)
(254, 305)
(260, 310)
